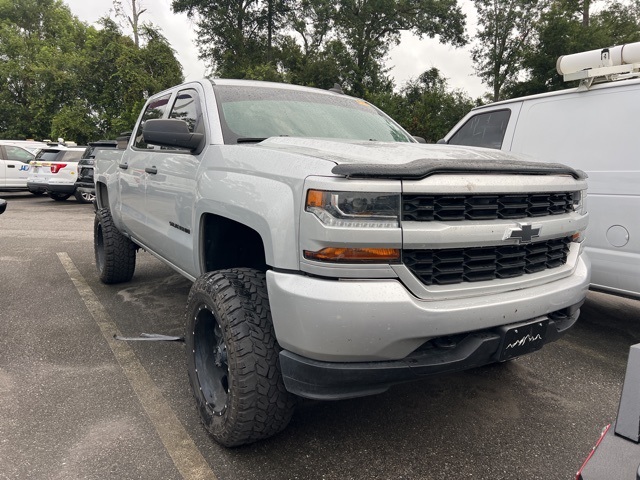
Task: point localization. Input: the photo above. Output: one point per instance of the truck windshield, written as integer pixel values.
(250, 113)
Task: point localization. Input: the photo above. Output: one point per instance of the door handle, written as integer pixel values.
(152, 170)
(11, 166)
(123, 166)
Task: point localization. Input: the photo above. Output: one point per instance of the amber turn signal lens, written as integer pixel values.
(354, 255)
(314, 198)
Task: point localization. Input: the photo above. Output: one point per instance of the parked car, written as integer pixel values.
(14, 166)
(54, 172)
(593, 128)
(85, 186)
(32, 145)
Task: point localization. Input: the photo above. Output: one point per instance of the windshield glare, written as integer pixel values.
(262, 112)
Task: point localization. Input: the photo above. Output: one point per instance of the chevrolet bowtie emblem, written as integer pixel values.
(524, 233)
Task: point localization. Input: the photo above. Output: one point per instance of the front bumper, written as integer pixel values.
(340, 380)
(378, 320)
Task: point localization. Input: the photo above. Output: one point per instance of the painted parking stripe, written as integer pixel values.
(184, 453)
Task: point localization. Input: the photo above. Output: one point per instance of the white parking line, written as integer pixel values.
(184, 453)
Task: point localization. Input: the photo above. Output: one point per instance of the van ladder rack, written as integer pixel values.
(612, 73)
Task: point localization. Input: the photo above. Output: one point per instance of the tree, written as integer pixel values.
(61, 78)
(234, 35)
(426, 106)
(368, 28)
(132, 16)
(40, 45)
(505, 28)
(350, 37)
(561, 31)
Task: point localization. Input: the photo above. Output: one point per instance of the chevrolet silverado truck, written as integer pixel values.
(333, 255)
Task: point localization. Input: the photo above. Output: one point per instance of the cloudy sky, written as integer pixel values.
(409, 59)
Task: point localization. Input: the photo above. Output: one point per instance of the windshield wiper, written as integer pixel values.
(250, 139)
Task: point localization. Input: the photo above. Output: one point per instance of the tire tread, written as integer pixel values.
(262, 406)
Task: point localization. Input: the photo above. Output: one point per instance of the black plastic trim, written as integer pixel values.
(422, 168)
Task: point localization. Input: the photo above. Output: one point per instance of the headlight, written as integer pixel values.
(580, 202)
(355, 209)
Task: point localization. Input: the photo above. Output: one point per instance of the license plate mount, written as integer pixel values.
(522, 338)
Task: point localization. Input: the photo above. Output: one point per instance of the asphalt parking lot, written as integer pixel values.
(75, 403)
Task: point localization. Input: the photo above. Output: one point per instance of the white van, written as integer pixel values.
(14, 166)
(594, 128)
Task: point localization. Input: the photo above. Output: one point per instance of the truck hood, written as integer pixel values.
(362, 159)
(358, 151)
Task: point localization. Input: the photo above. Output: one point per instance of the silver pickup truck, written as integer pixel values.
(332, 254)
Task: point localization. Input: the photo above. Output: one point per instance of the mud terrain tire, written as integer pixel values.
(232, 358)
(115, 254)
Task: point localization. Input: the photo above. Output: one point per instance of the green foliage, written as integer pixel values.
(62, 78)
(345, 41)
(504, 31)
(560, 31)
(426, 107)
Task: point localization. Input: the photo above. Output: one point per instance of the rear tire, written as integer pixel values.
(84, 197)
(115, 254)
(232, 358)
(58, 197)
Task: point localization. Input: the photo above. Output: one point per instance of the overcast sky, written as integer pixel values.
(409, 59)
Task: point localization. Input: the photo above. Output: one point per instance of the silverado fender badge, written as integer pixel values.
(523, 233)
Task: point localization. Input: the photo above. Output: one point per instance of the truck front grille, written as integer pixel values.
(425, 208)
(475, 264)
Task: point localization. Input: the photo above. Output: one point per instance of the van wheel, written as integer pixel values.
(84, 197)
(232, 358)
(115, 254)
(58, 197)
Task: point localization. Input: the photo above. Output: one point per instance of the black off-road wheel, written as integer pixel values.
(115, 254)
(232, 358)
(58, 197)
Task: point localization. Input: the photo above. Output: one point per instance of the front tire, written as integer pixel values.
(232, 358)
(115, 254)
(58, 197)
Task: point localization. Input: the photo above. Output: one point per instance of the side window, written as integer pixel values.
(483, 130)
(155, 109)
(187, 108)
(18, 154)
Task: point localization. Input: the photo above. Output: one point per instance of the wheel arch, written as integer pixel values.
(226, 243)
(102, 195)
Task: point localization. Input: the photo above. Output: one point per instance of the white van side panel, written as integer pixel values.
(599, 132)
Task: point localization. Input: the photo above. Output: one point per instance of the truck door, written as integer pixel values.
(15, 166)
(132, 177)
(171, 188)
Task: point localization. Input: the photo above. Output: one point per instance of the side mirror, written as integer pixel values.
(170, 132)
(3, 205)
(419, 139)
